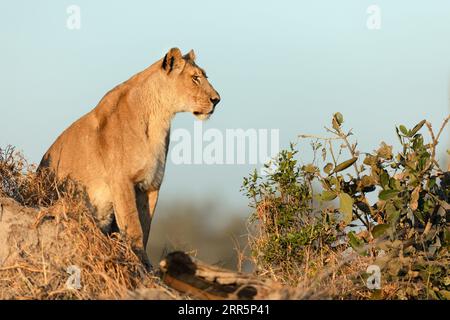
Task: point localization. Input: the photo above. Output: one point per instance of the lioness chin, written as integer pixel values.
(117, 152)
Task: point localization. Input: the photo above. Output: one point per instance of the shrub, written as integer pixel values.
(306, 214)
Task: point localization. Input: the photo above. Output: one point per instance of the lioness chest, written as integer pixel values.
(155, 162)
(147, 160)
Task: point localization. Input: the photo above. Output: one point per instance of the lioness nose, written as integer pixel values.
(215, 100)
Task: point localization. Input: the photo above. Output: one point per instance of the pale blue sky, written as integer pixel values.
(277, 64)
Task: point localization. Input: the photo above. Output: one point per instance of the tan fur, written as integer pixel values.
(117, 152)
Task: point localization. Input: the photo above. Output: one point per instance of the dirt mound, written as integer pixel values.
(60, 254)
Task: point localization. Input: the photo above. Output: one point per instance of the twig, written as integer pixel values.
(311, 136)
(17, 266)
(444, 124)
(44, 264)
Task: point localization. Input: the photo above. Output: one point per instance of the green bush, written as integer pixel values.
(401, 199)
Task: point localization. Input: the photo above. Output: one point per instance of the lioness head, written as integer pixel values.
(194, 93)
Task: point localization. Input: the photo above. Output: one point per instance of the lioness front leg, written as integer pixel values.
(127, 217)
(152, 197)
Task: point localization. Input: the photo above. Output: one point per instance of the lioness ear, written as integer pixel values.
(172, 60)
(190, 55)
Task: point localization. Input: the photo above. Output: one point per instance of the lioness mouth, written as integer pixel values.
(198, 113)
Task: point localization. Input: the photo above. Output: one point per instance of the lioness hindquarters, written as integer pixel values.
(117, 152)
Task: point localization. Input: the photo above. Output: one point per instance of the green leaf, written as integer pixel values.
(328, 195)
(398, 135)
(356, 243)
(339, 118)
(403, 130)
(344, 165)
(392, 214)
(388, 194)
(417, 127)
(346, 207)
(337, 121)
(310, 168)
(379, 230)
(327, 169)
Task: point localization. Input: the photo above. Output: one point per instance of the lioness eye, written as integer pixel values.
(196, 79)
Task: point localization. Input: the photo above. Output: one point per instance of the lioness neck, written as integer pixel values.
(152, 91)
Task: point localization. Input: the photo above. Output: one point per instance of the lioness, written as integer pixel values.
(117, 152)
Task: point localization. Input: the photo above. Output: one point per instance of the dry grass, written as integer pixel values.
(320, 271)
(49, 229)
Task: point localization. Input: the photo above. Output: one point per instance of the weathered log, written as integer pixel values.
(203, 281)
